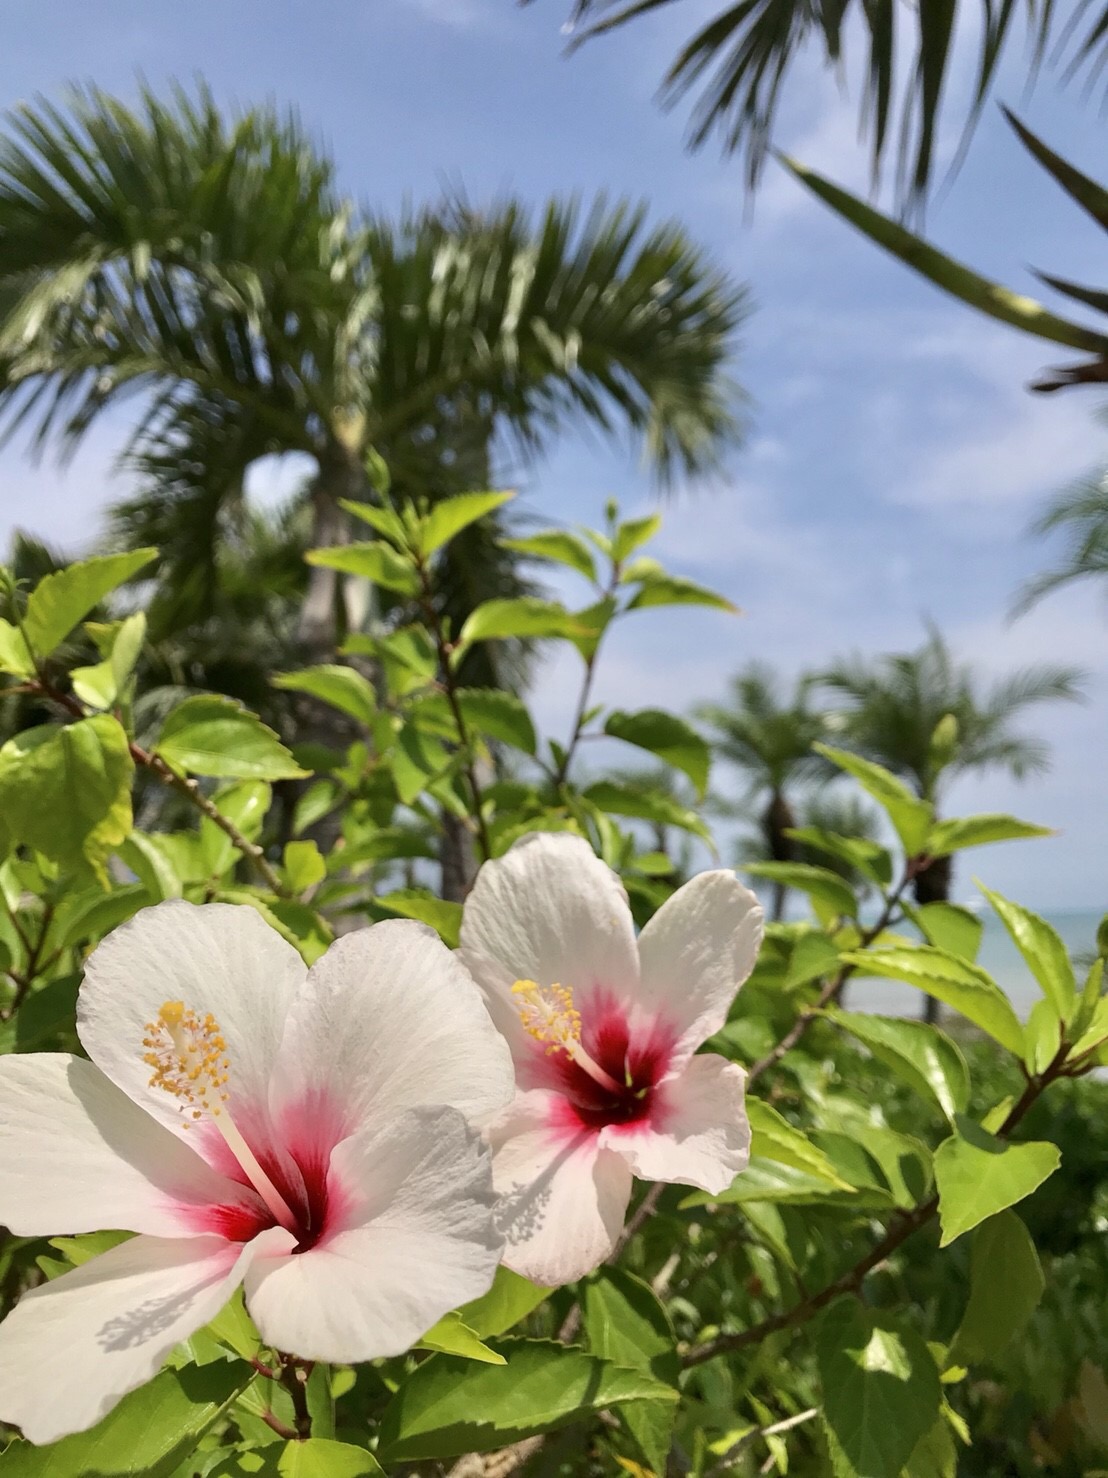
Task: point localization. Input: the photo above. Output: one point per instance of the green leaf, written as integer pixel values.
(101, 685)
(922, 1055)
(955, 982)
(1042, 1033)
(669, 590)
(409, 903)
(664, 734)
(453, 1336)
(1040, 945)
(626, 1324)
(61, 600)
(66, 790)
(148, 1435)
(452, 515)
(911, 817)
(384, 520)
(868, 858)
(448, 1406)
(881, 1391)
(45, 1019)
(978, 1175)
(304, 866)
(935, 1455)
(151, 861)
(319, 1457)
(633, 534)
(979, 831)
(979, 292)
(1006, 1283)
(499, 620)
(14, 655)
(498, 715)
(774, 1138)
(949, 926)
(624, 800)
(768, 1180)
(558, 545)
(813, 956)
(332, 683)
(212, 735)
(374, 561)
(831, 895)
(510, 1299)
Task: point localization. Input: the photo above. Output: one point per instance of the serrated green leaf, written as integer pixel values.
(148, 1435)
(500, 620)
(669, 590)
(101, 685)
(774, 1138)
(812, 957)
(1040, 945)
(212, 735)
(448, 1407)
(978, 1175)
(665, 735)
(830, 894)
(881, 1391)
(319, 1457)
(633, 534)
(768, 1180)
(1006, 1284)
(66, 790)
(332, 683)
(954, 981)
(623, 800)
(558, 545)
(373, 560)
(452, 515)
(510, 1299)
(919, 1053)
(304, 865)
(627, 1324)
(61, 600)
(911, 817)
(868, 858)
(409, 903)
(949, 926)
(14, 655)
(498, 715)
(979, 831)
(453, 1336)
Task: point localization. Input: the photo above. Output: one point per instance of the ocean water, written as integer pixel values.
(998, 955)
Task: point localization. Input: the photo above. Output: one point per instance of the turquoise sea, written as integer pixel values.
(998, 955)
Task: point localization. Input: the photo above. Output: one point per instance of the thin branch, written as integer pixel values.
(833, 987)
(901, 1227)
(450, 688)
(184, 785)
(561, 774)
(294, 1378)
(749, 1438)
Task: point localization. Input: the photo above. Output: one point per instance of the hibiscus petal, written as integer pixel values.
(697, 1133)
(415, 1239)
(215, 957)
(552, 912)
(563, 1196)
(71, 1348)
(388, 1019)
(76, 1155)
(695, 953)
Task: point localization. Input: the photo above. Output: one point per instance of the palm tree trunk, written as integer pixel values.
(778, 819)
(327, 607)
(932, 885)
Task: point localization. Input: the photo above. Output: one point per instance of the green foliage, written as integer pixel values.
(717, 1336)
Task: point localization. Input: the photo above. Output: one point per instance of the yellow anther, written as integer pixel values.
(186, 1053)
(548, 1014)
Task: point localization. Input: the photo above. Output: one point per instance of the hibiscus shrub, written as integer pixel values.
(311, 1164)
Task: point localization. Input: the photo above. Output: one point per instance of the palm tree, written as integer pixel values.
(929, 719)
(768, 738)
(742, 59)
(208, 266)
(1080, 512)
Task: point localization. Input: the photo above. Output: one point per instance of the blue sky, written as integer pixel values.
(894, 457)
